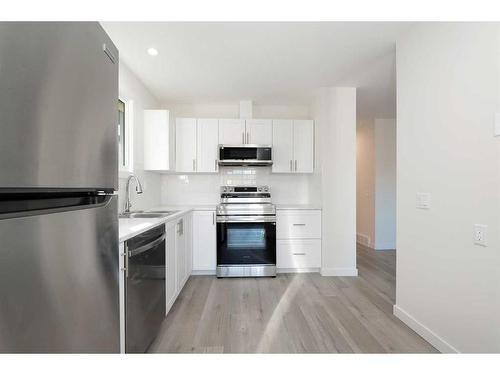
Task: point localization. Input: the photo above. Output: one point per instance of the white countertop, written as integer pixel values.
(129, 228)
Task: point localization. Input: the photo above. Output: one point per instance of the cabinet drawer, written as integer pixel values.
(298, 254)
(298, 224)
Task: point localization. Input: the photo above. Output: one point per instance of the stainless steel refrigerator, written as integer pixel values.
(58, 178)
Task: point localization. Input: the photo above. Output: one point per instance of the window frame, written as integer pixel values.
(127, 169)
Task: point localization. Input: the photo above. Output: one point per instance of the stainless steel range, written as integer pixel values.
(246, 232)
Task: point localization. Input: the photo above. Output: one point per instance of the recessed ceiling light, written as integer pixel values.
(152, 51)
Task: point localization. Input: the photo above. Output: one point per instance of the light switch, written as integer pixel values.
(480, 234)
(423, 201)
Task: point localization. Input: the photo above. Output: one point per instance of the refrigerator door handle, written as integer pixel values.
(14, 207)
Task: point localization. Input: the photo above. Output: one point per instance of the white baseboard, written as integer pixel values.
(339, 272)
(423, 331)
(363, 239)
(202, 272)
(297, 270)
(385, 246)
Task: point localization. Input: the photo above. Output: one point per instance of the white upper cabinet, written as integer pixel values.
(158, 141)
(259, 132)
(185, 140)
(303, 146)
(293, 146)
(282, 146)
(232, 132)
(207, 145)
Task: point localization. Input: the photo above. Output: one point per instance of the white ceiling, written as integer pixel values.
(270, 63)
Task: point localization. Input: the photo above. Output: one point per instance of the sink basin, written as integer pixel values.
(142, 215)
(145, 215)
(163, 212)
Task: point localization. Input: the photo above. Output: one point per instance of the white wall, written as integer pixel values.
(131, 88)
(335, 117)
(448, 289)
(385, 184)
(365, 182)
(204, 189)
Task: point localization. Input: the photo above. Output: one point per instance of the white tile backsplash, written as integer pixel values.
(205, 188)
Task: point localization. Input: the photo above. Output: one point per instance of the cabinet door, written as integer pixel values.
(282, 146)
(259, 132)
(208, 145)
(204, 241)
(231, 132)
(180, 248)
(185, 144)
(303, 146)
(188, 235)
(157, 140)
(171, 264)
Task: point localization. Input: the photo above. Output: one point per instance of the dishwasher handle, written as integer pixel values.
(147, 247)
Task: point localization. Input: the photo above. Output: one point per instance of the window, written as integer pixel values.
(125, 133)
(121, 133)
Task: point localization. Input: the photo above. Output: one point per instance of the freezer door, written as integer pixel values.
(58, 106)
(59, 287)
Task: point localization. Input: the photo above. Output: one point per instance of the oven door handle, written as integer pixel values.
(246, 219)
(147, 247)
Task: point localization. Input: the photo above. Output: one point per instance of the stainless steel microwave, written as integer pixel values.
(245, 155)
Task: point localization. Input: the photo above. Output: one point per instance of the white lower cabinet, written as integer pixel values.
(204, 242)
(298, 254)
(171, 267)
(178, 257)
(298, 245)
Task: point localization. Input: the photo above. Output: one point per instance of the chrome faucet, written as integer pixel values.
(138, 190)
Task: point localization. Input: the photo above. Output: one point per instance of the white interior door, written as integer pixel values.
(185, 144)
(303, 146)
(282, 146)
(231, 131)
(208, 142)
(259, 132)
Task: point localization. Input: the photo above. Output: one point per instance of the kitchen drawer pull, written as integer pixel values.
(291, 166)
(299, 253)
(295, 165)
(299, 225)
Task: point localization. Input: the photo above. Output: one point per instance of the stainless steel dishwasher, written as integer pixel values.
(144, 288)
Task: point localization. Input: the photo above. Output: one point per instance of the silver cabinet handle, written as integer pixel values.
(213, 218)
(295, 165)
(248, 138)
(299, 254)
(194, 166)
(291, 170)
(299, 225)
(216, 165)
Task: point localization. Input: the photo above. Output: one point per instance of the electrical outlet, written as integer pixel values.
(480, 234)
(423, 201)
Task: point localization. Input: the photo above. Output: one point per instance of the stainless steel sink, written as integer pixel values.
(163, 212)
(141, 215)
(145, 215)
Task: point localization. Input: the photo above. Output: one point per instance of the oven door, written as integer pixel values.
(246, 240)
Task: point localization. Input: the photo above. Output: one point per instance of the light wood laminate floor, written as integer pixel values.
(292, 313)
